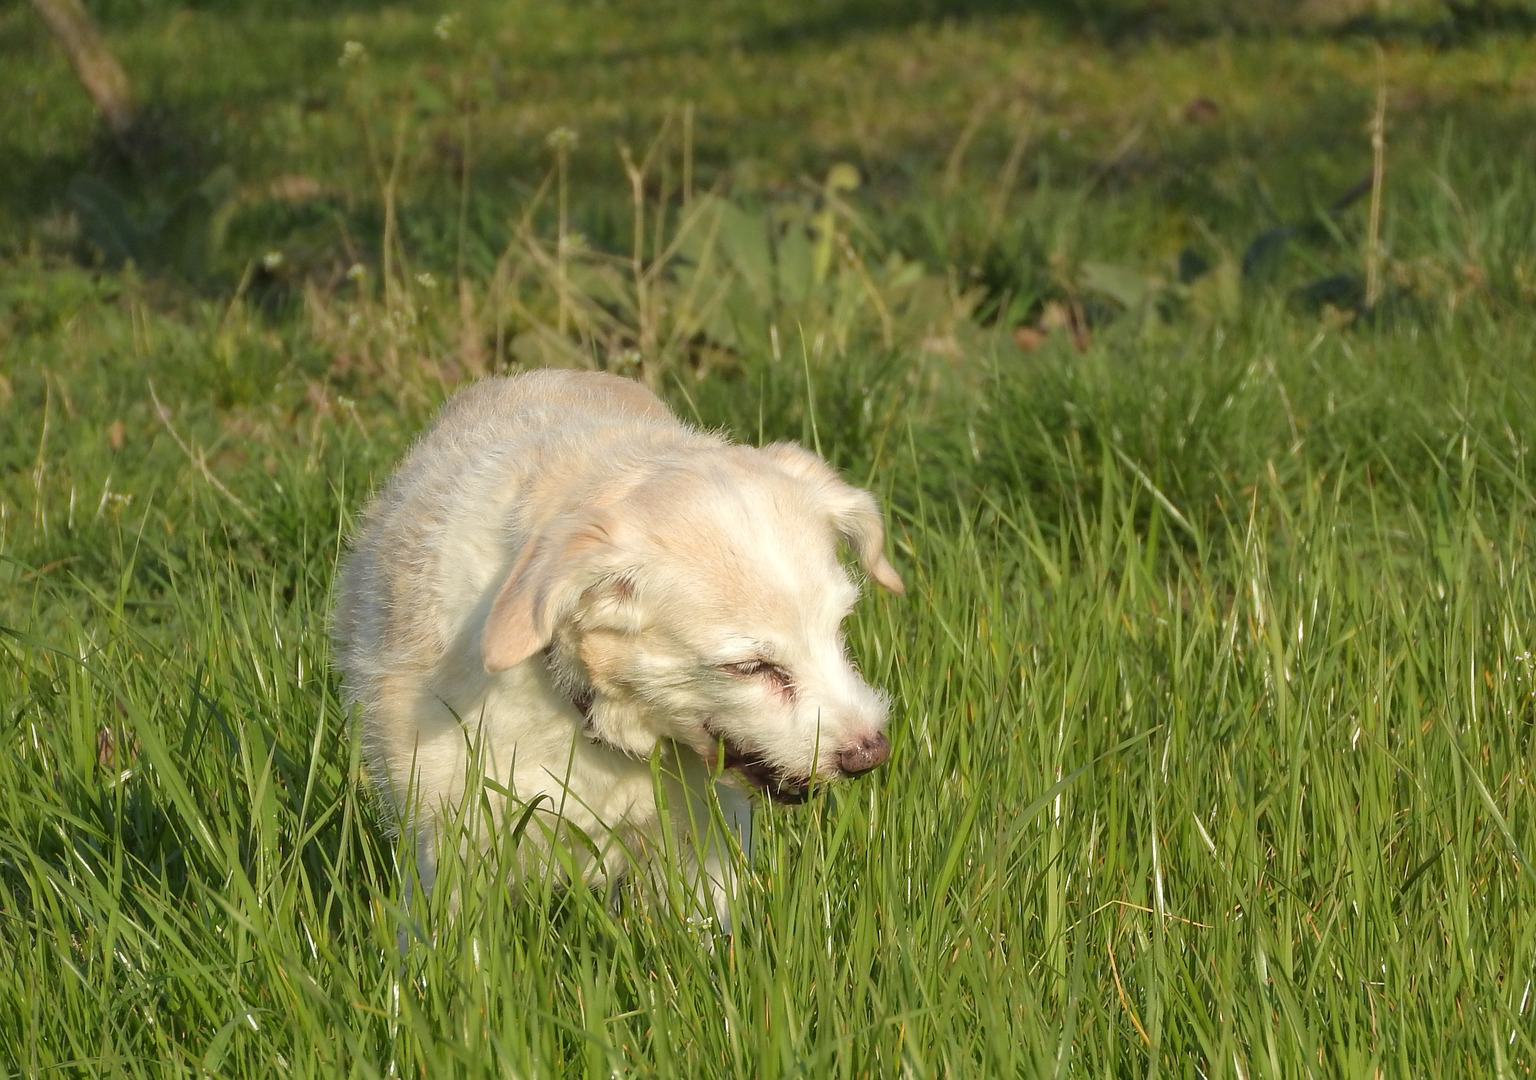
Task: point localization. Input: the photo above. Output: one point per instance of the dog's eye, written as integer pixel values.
(759, 669)
(746, 668)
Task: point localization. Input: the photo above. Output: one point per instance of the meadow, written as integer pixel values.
(1189, 346)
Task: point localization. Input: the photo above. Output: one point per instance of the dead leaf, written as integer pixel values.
(1201, 111)
(945, 345)
(295, 188)
(1068, 319)
(1028, 338)
(472, 353)
(108, 753)
(317, 397)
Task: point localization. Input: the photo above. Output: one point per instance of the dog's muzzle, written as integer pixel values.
(781, 789)
(867, 754)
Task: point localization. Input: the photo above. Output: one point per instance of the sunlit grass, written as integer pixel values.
(1199, 761)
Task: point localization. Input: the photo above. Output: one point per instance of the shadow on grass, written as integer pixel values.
(1458, 23)
(1116, 22)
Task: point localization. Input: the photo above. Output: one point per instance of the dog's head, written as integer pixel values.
(704, 606)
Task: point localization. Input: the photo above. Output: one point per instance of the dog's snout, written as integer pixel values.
(868, 753)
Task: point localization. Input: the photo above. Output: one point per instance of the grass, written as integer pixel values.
(1215, 683)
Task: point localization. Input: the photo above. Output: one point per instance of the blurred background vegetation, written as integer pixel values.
(1028, 167)
(370, 203)
(318, 207)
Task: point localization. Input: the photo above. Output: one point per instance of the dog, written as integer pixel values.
(567, 605)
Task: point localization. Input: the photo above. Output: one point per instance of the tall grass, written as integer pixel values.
(1211, 754)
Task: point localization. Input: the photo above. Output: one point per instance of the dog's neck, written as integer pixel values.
(583, 701)
(598, 715)
(571, 681)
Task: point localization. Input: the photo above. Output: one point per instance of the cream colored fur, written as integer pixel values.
(561, 580)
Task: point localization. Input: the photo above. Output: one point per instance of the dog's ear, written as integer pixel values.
(545, 582)
(855, 513)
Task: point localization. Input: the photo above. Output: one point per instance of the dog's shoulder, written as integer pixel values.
(552, 395)
(594, 389)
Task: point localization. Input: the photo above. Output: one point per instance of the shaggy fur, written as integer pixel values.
(560, 580)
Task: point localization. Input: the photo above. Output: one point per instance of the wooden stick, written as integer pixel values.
(97, 69)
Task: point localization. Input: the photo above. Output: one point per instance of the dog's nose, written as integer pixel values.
(866, 754)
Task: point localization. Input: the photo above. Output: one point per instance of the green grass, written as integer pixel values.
(1215, 685)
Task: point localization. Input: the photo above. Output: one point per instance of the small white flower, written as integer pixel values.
(400, 322)
(426, 280)
(356, 272)
(352, 54)
(562, 138)
(272, 260)
(446, 25)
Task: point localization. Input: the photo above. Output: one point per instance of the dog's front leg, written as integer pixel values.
(728, 853)
(711, 831)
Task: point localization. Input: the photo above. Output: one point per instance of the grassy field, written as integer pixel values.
(1207, 467)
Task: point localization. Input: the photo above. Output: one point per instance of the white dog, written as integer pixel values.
(562, 584)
